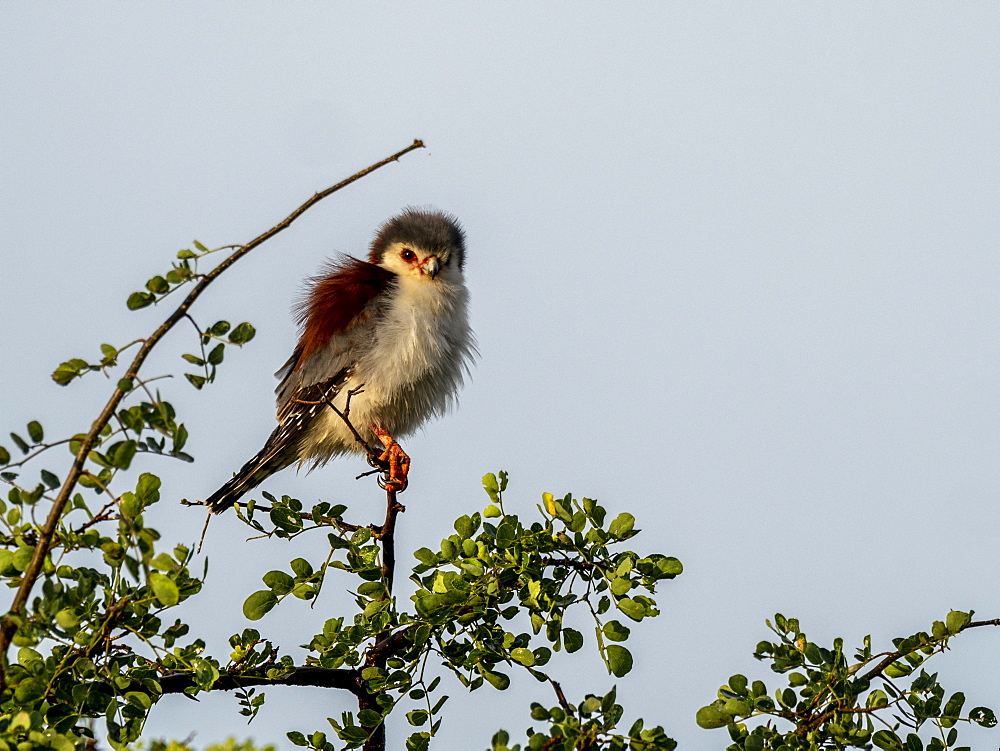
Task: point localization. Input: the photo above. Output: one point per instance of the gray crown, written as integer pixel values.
(433, 231)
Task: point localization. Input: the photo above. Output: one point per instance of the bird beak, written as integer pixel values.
(431, 267)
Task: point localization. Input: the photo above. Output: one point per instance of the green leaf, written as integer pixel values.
(426, 556)
(35, 431)
(737, 708)
(148, 488)
(30, 691)
(30, 658)
(466, 526)
(572, 639)
(983, 716)
(164, 562)
(615, 631)
(505, 535)
(302, 568)
(242, 334)
(139, 699)
(177, 275)
(492, 487)
(22, 556)
(953, 709)
(956, 620)
(417, 717)
(712, 717)
(21, 443)
(670, 566)
(524, 656)
(622, 525)
(372, 589)
(50, 480)
(492, 512)
(633, 609)
(297, 738)
(63, 375)
(886, 739)
(129, 505)
(180, 437)
(286, 519)
(216, 354)
(157, 285)
(4, 456)
(620, 586)
(813, 653)
(497, 680)
(353, 734)
(619, 660)
(898, 670)
(258, 604)
(279, 582)
(122, 454)
(738, 683)
(139, 300)
(165, 589)
(67, 618)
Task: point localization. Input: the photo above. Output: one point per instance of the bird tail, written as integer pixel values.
(277, 454)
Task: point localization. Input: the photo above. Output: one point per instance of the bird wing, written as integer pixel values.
(335, 315)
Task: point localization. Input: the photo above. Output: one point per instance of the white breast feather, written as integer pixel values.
(411, 358)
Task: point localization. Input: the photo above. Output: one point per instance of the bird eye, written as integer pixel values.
(407, 255)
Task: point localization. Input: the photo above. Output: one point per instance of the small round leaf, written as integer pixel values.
(257, 604)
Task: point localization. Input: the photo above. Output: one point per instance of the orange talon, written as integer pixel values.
(399, 462)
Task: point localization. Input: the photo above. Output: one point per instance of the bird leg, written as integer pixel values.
(399, 462)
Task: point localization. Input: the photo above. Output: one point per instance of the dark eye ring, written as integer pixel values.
(408, 255)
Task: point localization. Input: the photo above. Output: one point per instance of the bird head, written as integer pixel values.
(421, 244)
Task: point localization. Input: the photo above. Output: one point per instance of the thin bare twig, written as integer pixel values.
(41, 447)
(34, 568)
(560, 695)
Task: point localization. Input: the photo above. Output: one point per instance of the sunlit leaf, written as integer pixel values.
(258, 604)
(619, 660)
(164, 588)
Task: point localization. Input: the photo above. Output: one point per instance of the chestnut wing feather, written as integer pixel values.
(336, 303)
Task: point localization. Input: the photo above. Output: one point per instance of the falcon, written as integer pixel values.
(385, 343)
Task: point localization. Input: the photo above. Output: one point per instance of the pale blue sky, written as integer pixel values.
(734, 268)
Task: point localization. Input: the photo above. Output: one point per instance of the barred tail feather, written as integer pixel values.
(296, 412)
(277, 454)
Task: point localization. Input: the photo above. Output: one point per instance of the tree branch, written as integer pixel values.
(306, 675)
(386, 534)
(45, 541)
(893, 656)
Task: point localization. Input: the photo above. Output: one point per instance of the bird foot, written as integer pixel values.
(396, 458)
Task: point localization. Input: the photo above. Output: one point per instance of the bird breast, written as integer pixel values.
(415, 354)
